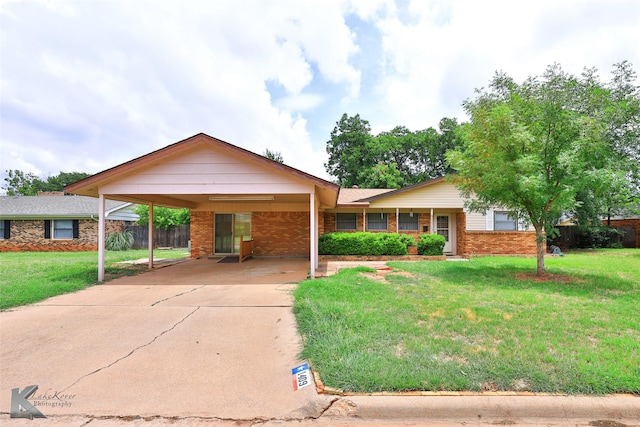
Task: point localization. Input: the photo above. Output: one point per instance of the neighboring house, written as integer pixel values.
(56, 222)
(233, 193)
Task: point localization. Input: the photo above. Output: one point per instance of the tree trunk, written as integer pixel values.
(540, 249)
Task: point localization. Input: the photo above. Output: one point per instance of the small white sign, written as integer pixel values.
(301, 376)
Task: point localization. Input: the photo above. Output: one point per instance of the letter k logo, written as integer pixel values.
(21, 407)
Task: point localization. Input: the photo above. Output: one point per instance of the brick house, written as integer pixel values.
(235, 194)
(54, 222)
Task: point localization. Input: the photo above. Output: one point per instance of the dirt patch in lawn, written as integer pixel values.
(533, 277)
(380, 274)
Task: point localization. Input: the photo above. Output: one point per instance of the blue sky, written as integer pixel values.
(87, 85)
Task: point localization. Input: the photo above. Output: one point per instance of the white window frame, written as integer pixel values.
(55, 229)
(506, 217)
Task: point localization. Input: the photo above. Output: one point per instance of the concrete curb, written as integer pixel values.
(624, 409)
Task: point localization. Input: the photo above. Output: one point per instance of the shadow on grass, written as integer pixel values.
(502, 275)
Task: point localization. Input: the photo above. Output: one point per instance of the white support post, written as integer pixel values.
(150, 236)
(433, 221)
(364, 219)
(313, 236)
(398, 220)
(101, 232)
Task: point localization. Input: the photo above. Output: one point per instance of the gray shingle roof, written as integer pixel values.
(25, 207)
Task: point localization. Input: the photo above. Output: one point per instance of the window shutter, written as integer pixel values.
(7, 229)
(47, 228)
(76, 229)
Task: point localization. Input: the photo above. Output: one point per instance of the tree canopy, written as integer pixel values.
(18, 182)
(535, 148)
(165, 218)
(390, 159)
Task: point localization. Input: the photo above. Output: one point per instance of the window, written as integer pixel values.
(346, 221)
(408, 222)
(505, 221)
(62, 229)
(377, 221)
(2, 229)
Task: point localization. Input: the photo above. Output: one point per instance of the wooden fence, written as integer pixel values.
(570, 238)
(177, 237)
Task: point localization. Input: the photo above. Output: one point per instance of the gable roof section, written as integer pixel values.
(358, 197)
(38, 207)
(89, 186)
(404, 189)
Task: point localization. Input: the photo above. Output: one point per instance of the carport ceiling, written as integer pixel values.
(200, 200)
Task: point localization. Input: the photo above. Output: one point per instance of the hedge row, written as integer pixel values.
(363, 243)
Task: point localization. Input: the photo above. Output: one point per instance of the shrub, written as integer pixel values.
(361, 243)
(431, 244)
(599, 237)
(122, 241)
(407, 240)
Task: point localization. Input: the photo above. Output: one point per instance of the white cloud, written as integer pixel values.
(88, 85)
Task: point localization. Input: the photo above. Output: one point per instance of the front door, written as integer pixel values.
(443, 228)
(229, 229)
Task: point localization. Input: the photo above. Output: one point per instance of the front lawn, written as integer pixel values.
(28, 277)
(482, 325)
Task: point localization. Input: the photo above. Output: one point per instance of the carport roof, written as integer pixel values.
(326, 191)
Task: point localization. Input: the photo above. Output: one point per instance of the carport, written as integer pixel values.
(231, 192)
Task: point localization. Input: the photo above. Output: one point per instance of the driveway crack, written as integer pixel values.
(177, 295)
(134, 350)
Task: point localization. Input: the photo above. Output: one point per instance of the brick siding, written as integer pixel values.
(499, 243)
(280, 233)
(28, 236)
(201, 234)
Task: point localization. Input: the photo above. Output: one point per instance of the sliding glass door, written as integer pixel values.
(229, 229)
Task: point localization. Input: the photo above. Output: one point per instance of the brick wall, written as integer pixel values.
(499, 243)
(635, 223)
(201, 234)
(28, 236)
(280, 233)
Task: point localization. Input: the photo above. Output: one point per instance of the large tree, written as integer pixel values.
(531, 148)
(391, 159)
(22, 183)
(348, 150)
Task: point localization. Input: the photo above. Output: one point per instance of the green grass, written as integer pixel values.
(476, 326)
(28, 277)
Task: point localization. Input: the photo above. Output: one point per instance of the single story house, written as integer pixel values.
(55, 222)
(234, 194)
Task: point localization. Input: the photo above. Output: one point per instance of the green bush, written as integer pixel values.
(599, 237)
(431, 244)
(122, 241)
(361, 243)
(408, 240)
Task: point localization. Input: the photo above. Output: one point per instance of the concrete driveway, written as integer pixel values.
(195, 339)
